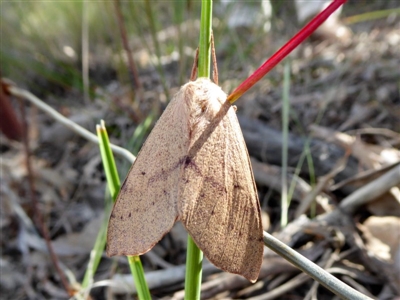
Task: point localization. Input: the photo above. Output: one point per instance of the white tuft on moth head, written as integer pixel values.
(203, 100)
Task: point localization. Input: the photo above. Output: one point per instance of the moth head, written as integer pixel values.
(203, 100)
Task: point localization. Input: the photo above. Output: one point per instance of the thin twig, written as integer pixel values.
(85, 51)
(149, 13)
(193, 74)
(371, 191)
(214, 60)
(316, 272)
(131, 62)
(329, 260)
(284, 288)
(364, 176)
(9, 124)
(68, 123)
(36, 210)
(322, 183)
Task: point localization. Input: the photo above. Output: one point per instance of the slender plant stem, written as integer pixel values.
(124, 37)
(150, 17)
(205, 39)
(18, 92)
(285, 50)
(85, 51)
(107, 156)
(38, 214)
(194, 256)
(136, 268)
(96, 253)
(114, 186)
(194, 260)
(316, 272)
(369, 16)
(10, 126)
(371, 191)
(285, 141)
(310, 165)
(178, 20)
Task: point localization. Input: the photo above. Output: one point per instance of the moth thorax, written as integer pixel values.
(205, 102)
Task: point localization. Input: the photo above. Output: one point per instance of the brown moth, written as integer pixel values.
(194, 167)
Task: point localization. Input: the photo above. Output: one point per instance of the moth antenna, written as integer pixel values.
(214, 60)
(193, 75)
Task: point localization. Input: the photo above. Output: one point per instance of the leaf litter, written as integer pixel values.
(355, 85)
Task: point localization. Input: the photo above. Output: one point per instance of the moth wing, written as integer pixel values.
(220, 206)
(145, 209)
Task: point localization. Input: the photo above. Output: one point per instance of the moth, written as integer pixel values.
(194, 167)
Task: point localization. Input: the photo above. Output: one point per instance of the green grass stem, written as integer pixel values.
(205, 39)
(108, 161)
(97, 251)
(113, 182)
(194, 255)
(194, 259)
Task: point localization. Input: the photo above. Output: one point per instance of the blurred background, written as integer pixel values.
(122, 61)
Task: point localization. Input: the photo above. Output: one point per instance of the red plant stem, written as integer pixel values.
(36, 210)
(304, 33)
(9, 123)
(124, 37)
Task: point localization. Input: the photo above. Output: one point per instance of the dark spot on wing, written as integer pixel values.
(163, 174)
(152, 203)
(190, 163)
(143, 173)
(112, 216)
(130, 215)
(122, 218)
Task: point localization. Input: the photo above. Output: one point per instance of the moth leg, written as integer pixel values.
(214, 60)
(193, 75)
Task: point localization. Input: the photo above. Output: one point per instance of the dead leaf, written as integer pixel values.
(387, 231)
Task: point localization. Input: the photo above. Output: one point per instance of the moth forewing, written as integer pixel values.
(194, 166)
(218, 199)
(146, 207)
